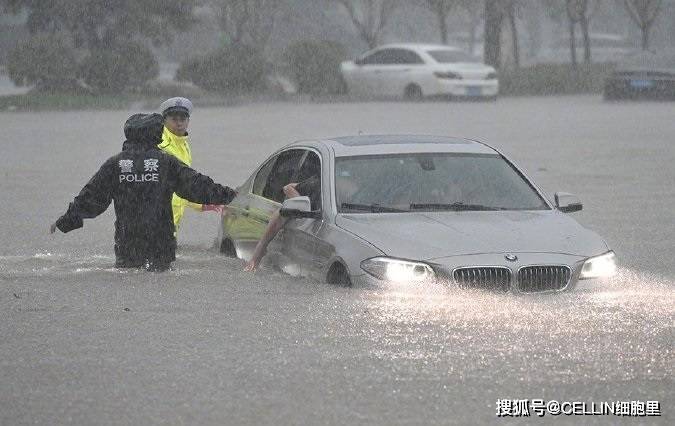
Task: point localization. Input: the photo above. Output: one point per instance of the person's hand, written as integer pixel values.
(52, 228)
(251, 265)
(290, 191)
(218, 208)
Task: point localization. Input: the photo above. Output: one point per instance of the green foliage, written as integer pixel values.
(44, 60)
(231, 69)
(554, 79)
(95, 24)
(315, 66)
(127, 65)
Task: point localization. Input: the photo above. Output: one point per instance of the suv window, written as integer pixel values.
(284, 168)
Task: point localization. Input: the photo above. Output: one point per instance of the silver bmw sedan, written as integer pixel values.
(410, 210)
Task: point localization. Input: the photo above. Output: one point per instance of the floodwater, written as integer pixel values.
(84, 343)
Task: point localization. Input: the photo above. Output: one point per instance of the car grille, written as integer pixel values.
(486, 277)
(532, 279)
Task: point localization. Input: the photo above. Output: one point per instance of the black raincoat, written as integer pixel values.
(140, 182)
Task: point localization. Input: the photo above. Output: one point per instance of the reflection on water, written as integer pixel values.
(621, 323)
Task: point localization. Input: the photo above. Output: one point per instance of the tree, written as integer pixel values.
(510, 12)
(97, 24)
(106, 33)
(578, 13)
(441, 8)
(643, 13)
(497, 14)
(532, 22)
(46, 61)
(494, 16)
(473, 10)
(369, 17)
(250, 22)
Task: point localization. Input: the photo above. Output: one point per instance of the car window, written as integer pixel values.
(261, 178)
(309, 179)
(378, 58)
(404, 56)
(284, 170)
(447, 56)
(392, 57)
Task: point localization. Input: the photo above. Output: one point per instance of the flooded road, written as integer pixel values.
(81, 342)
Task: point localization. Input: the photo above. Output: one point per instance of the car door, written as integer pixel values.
(401, 66)
(249, 218)
(295, 245)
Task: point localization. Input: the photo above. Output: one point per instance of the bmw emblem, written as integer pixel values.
(511, 257)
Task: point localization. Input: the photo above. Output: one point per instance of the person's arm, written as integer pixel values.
(92, 200)
(273, 227)
(198, 188)
(218, 208)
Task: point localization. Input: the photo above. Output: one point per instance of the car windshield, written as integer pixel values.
(447, 56)
(431, 182)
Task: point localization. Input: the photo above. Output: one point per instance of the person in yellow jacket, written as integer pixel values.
(176, 142)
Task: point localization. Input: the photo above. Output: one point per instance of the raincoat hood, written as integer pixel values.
(143, 131)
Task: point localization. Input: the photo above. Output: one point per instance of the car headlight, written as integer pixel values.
(599, 266)
(389, 269)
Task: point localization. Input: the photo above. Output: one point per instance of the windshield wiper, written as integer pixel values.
(374, 208)
(452, 207)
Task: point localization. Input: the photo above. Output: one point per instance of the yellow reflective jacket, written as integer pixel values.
(179, 147)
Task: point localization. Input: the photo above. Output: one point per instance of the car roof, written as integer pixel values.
(346, 146)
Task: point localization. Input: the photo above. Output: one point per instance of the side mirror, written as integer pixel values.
(298, 207)
(567, 203)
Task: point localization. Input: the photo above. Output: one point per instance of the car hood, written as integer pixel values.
(433, 235)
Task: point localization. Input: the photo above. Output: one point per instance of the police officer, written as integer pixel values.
(176, 142)
(141, 181)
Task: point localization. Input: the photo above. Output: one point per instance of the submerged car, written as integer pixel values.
(418, 70)
(646, 75)
(413, 209)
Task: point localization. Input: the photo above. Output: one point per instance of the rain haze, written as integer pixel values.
(84, 342)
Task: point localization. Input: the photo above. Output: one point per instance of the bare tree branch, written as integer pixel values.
(369, 17)
(643, 13)
(247, 21)
(441, 8)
